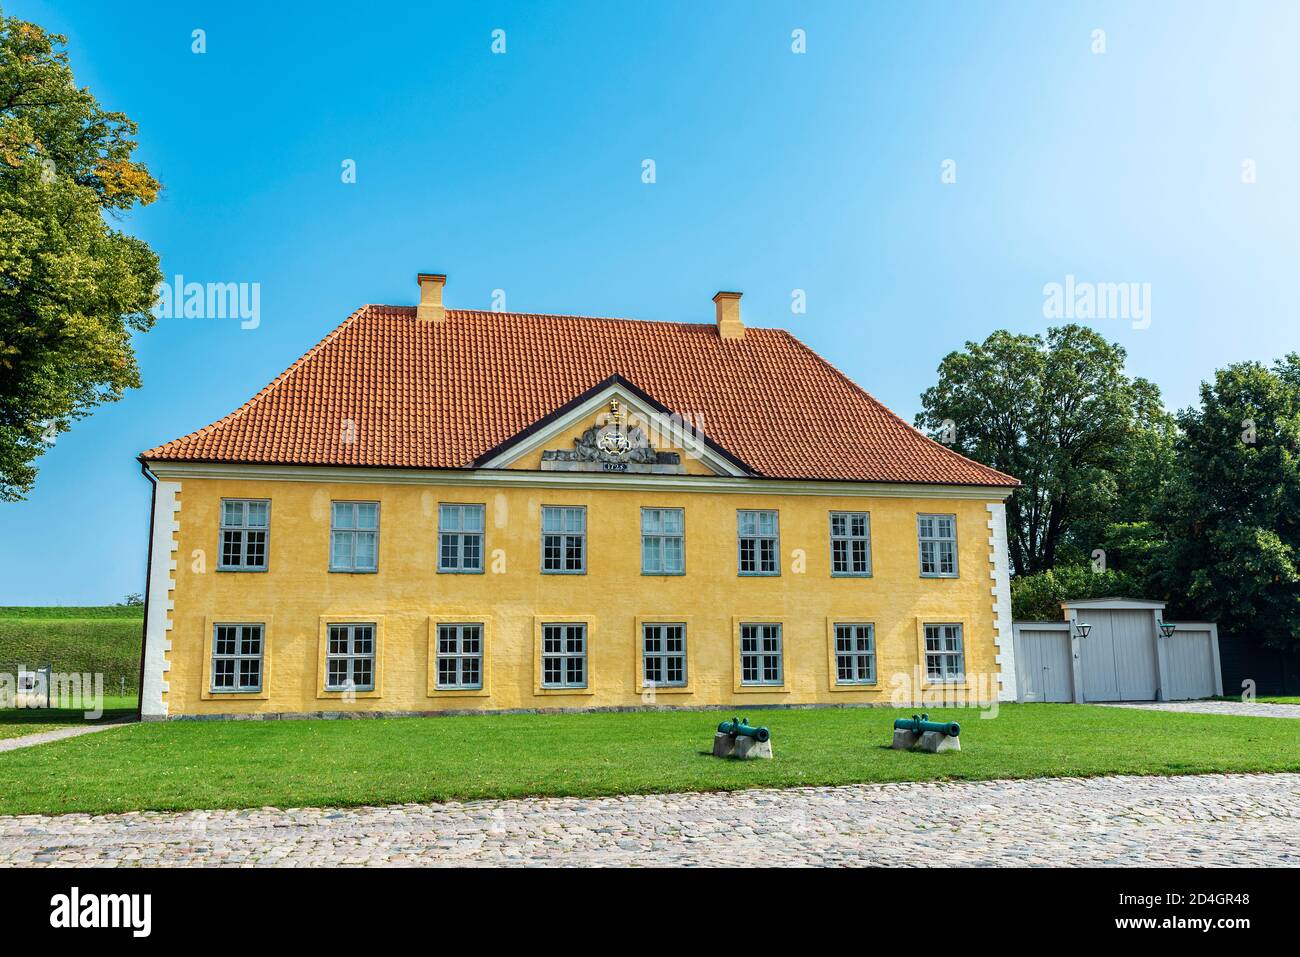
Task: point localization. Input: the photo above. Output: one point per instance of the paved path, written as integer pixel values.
(1226, 820)
(58, 734)
(1252, 709)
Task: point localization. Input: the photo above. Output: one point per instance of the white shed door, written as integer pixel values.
(1189, 656)
(1119, 656)
(1043, 665)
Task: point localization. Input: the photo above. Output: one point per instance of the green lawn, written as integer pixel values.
(181, 765)
(101, 639)
(17, 722)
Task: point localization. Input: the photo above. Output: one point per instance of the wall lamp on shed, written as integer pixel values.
(1081, 628)
(1166, 630)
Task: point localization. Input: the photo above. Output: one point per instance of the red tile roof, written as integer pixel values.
(439, 395)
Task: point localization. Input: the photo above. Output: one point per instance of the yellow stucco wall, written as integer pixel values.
(298, 595)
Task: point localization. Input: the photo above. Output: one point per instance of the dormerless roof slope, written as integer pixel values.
(439, 395)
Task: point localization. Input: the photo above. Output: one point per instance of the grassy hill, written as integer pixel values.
(92, 639)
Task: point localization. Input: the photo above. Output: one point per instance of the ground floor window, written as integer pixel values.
(663, 648)
(350, 658)
(460, 656)
(760, 654)
(564, 655)
(944, 659)
(855, 654)
(237, 658)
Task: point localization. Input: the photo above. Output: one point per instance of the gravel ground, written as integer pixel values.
(1252, 709)
(1217, 820)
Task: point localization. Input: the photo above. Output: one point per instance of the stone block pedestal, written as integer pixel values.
(740, 747)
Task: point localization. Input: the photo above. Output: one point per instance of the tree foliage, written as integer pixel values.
(1059, 413)
(72, 288)
(1231, 517)
(1038, 597)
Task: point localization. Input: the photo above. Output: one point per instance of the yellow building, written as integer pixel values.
(450, 510)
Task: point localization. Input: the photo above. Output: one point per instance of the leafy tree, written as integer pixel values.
(72, 288)
(1038, 597)
(1232, 514)
(1058, 413)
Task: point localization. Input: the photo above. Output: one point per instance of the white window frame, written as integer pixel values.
(460, 536)
(662, 538)
(861, 644)
(760, 634)
(566, 537)
(351, 655)
(758, 539)
(939, 647)
(659, 658)
(244, 531)
(564, 655)
(354, 531)
(938, 541)
(848, 538)
(458, 656)
(238, 656)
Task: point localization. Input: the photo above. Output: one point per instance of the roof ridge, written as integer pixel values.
(568, 315)
(266, 390)
(890, 412)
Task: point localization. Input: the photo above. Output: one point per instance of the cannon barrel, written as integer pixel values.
(918, 723)
(737, 726)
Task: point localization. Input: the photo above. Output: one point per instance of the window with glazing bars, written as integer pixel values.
(850, 543)
(662, 541)
(937, 536)
(564, 540)
(760, 654)
(354, 537)
(245, 524)
(757, 542)
(855, 654)
(350, 658)
(460, 656)
(944, 660)
(564, 655)
(664, 655)
(237, 658)
(460, 534)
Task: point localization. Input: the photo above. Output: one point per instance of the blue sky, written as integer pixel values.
(775, 171)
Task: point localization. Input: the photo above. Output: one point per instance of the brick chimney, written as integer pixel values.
(729, 324)
(430, 308)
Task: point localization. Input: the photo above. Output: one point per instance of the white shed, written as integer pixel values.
(1114, 649)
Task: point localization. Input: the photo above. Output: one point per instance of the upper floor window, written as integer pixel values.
(944, 659)
(855, 654)
(937, 536)
(564, 656)
(354, 537)
(760, 654)
(460, 656)
(564, 539)
(350, 658)
(460, 538)
(237, 658)
(664, 655)
(662, 536)
(758, 542)
(245, 524)
(850, 543)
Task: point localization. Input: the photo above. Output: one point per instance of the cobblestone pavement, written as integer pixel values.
(1253, 709)
(58, 734)
(1226, 820)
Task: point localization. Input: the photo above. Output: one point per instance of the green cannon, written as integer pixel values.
(737, 726)
(919, 723)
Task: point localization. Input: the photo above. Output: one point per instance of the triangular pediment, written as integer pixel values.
(615, 427)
